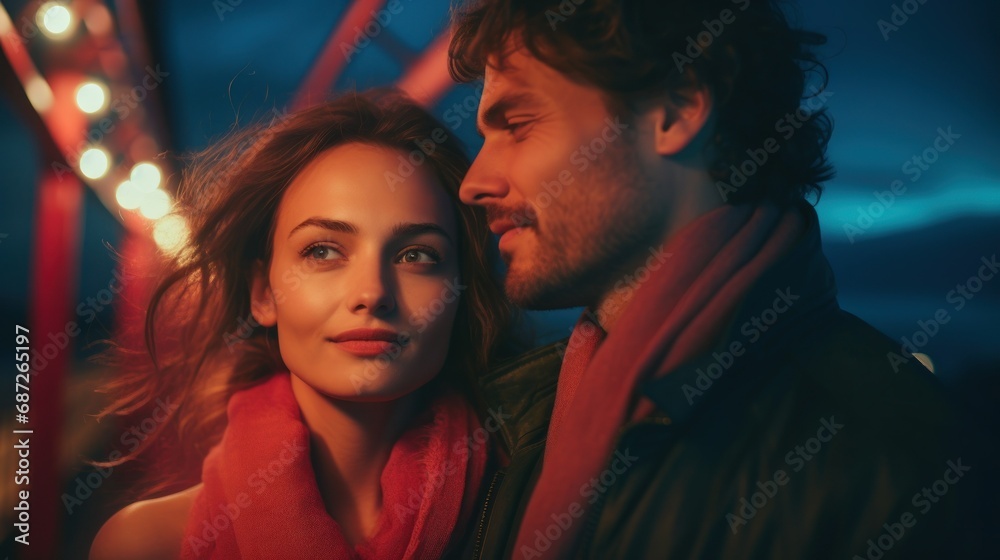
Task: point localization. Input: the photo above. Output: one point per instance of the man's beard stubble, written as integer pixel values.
(579, 255)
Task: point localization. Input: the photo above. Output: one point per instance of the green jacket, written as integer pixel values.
(822, 439)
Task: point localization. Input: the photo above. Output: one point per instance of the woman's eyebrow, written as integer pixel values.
(326, 223)
(415, 229)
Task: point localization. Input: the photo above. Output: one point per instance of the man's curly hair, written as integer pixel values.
(757, 69)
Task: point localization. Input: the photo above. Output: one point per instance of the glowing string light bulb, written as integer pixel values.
(94, 163)
(55, 20)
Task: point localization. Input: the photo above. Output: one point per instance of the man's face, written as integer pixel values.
(564, 182)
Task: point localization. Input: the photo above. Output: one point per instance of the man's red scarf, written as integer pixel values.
(260, 498)
(674, 316)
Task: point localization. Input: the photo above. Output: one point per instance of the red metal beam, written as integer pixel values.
(52, 285)
(52, 293)
(428, 80)
(334, 56)
(53, 277)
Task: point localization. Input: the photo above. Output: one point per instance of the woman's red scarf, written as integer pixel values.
(260, 498)
(674, 316)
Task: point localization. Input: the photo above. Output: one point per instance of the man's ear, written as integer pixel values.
(261, 297)
(680, 118)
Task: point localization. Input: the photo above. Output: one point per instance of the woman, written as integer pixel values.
(339, 236)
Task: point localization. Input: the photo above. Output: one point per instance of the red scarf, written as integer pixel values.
(674, 316)
(260, 498)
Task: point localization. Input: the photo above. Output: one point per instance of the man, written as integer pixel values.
(650, 161)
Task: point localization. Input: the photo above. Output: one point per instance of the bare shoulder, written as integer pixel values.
(148, 529)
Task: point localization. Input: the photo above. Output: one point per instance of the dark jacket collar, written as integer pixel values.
(804, 274)
(521, 392)
(524, 388)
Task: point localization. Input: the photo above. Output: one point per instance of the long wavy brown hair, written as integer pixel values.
(200, 342)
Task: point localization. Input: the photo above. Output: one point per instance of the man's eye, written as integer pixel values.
(419, 256)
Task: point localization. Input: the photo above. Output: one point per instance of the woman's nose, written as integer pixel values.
(373, 291)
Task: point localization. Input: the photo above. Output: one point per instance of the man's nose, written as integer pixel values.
(486, 180)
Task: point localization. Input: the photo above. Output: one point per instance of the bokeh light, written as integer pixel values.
(94, 163)
(92, 97)
(39, 93)
(145, 176)
(170, 233)
(155, 204)
(128, 196)
(55, 20)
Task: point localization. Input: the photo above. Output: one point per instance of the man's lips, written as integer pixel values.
(500, 227)
(369, 343)
(508, 238)
(507, 228)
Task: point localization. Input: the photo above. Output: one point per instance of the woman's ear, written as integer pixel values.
(680, 118)
(261, 297)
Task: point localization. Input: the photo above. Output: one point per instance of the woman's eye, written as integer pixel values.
(322, 253)
(419, 256)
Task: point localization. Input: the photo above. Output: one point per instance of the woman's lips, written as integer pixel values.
(370, 343)
(368, 348)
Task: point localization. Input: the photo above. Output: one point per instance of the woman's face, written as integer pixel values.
(364, 282)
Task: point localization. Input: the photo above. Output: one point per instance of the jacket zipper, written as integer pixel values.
(594, 514)
(477, 549)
